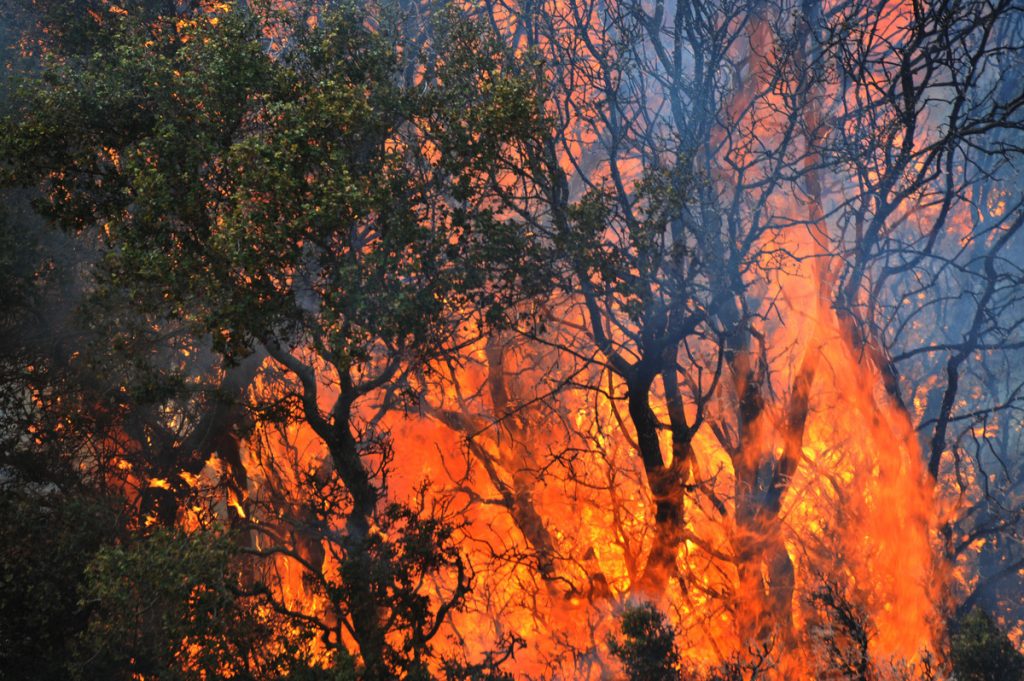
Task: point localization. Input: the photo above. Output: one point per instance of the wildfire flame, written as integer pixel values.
(805, 519)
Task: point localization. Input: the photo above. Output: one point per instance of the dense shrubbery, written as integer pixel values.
(980, 651)
(49, 538)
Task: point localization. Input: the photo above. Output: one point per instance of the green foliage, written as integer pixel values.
(341, 668)
(318, 197)
(254, 196)
(82, 598)
(165, 606)
(47, 538)
(385, 576)
(647, 649)
(982, 652)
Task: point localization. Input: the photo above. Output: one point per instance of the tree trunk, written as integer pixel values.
(667, 485)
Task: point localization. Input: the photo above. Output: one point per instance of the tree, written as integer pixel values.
(647, 649)
(50, 535)
(714, 173)
(286, 204)
(165, 606)
(982, 652)
(738, 283)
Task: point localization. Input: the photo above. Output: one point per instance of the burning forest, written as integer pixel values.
(512, 339)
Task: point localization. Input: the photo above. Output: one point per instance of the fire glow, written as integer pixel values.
(740, 345)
